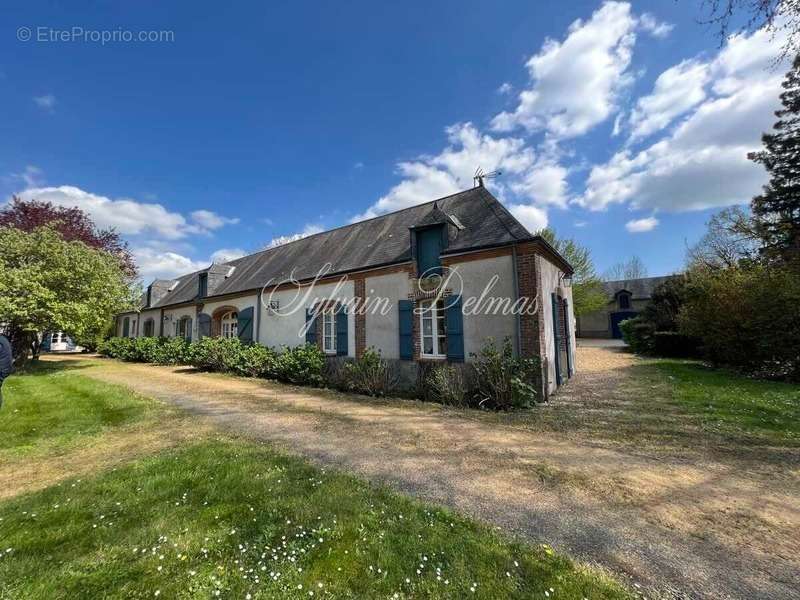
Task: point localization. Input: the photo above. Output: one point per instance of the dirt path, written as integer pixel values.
(682, 527)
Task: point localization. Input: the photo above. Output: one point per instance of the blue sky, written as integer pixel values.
(623, 126)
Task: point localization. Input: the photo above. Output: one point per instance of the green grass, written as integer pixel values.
(49, 409)
(733, 405)
(227, 517)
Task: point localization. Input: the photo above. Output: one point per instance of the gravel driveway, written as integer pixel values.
(674, 527)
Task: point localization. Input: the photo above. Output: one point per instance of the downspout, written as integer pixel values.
(517, 316)
(258, 315)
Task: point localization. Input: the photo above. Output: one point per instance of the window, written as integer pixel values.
(624, 301)
(149, 328)
(183, 328)
(329, 331)
(230, 325)
(203, 285)
(432, 329)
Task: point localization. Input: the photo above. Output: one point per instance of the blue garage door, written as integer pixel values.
(616, 319)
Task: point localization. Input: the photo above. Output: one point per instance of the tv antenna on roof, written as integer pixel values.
(480, 176)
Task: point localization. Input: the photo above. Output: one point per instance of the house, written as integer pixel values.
(58, 341)
(427, 284)
(626, 299)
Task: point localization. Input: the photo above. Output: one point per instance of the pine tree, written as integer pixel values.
(777, 208)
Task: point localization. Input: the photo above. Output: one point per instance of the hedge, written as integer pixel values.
(495, 379)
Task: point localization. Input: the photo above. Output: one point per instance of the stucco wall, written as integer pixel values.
(383, 330)
(173, 315)
(285, 327)
(549, 280)
(486, 321)
(154, 314)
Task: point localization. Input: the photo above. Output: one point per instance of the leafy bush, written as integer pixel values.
(445, 384)
(504, 381)
(370, 375)
(303, 365)
(171, 351)
(116, 347)
(215, 354)
(257, 361)
(639, 334)
(674, 345)
(747, 318)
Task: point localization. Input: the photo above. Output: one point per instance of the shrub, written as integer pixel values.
(257, 361)
(747, 318)
(445, 384)
(639, 334)
(675, 345)
(370, 375)
(115, 347)
(215, 353)
(303, 365)
(171, 351)
(504, 381)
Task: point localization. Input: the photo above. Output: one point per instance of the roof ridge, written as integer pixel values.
(394, 212)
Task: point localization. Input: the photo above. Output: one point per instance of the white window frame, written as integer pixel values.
(229, 325)
(434, 315)
(181, 329)
(329, 331)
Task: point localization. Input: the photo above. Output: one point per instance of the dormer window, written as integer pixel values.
(149, 295)
(203, 285)
(624, 300)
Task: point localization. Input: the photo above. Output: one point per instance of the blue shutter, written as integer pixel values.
(311, 331)
(126, 327)
(203, 326)
(188, 329)
(244, 324)
(341, 331)
(406, 329)
(429, 247)
(556, 339)
(570, 370)
(454, 326)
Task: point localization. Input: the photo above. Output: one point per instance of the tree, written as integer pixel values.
(71, 223)
(633, 268)
(587, 290)
(777, 208)
(49, 284)
(750, 15)
(731, 241)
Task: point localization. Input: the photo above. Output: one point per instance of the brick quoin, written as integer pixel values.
(529, 343)
(360, 316)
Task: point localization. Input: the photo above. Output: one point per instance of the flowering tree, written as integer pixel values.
(47, 283)
(71, 223)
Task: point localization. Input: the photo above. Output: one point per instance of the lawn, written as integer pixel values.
(733, 405)
(227, 517)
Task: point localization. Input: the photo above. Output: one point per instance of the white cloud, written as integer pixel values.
(31, 176)
(532, 217)
(308, 230)
(155, 263)
(227, 254)
(452, 170)
(677, 90)
(505, 88)
(46, 102)
(580, 224)
(545, 183)
(575, 82)
(657, 28)
(641, 225)
(211, 220)
(126, 215)
(703, 162)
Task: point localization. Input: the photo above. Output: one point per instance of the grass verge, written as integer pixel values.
(228, 517)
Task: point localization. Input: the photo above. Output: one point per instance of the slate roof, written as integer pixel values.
(640, 289)
(375, 242)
